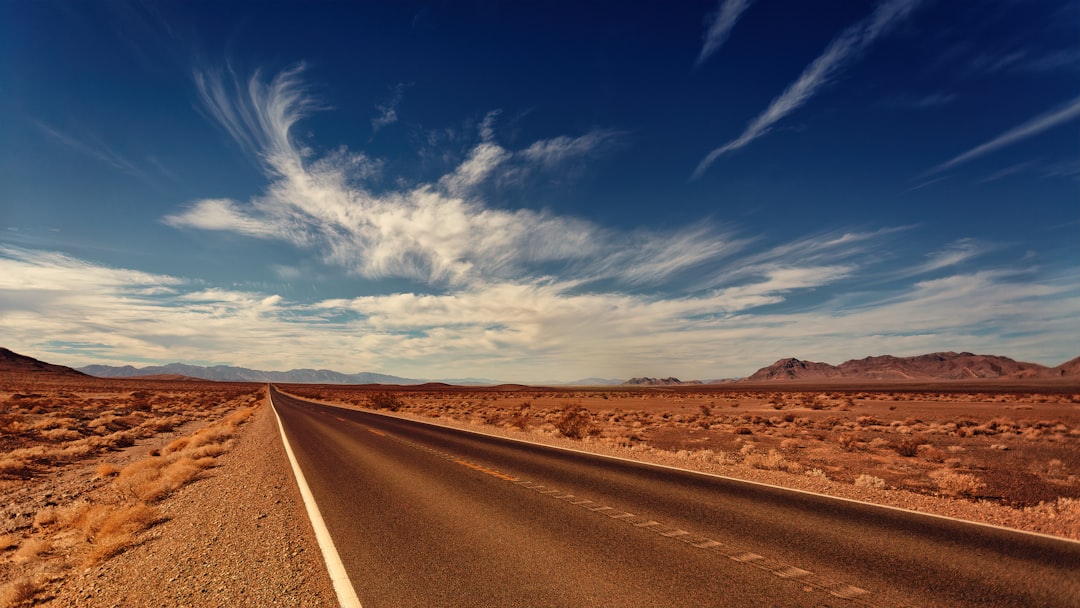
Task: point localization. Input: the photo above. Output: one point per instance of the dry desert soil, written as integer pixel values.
(143, 492)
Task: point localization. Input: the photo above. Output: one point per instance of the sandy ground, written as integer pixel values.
(239, 537)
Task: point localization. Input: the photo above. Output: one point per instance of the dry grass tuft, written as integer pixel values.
(869, 481)
(106, 469)
(155, 478)
(31, 549)
(110, 529)
(956, 484)
(772, 461)
(21, 592)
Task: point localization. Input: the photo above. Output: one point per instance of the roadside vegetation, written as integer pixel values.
(58, 521)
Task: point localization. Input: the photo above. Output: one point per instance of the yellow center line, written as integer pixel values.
(484, 470)
(379, 433)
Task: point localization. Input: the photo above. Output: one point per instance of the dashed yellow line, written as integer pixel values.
(782, 570)
(484, 470)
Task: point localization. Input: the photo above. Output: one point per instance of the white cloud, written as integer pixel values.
(221, 214)
(843, 49)
(540, 329)
(1040, 123)
(524, 331)
(440, 232)
(720, 25)
(388, 111)
(550, 153)
(957, 253)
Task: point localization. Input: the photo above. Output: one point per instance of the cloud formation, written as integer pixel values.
(74, 312)
(843, 49)
(439, 232)
(388, 111)
(1030, 128)
(720, 24)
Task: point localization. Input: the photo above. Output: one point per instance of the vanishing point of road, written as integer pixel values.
(423, 515)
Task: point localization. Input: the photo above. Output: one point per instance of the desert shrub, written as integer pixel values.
(932, 454)
(869, 481)
(14, 467)
(385, 401)
(155, 478)
(954, 483)
(848, 441)
(119, 439)
(521, 420)
(60, 435)
(110, 529)
(771, 461)
(20, 592)
(743, 430)
(106, 469)
(818, 473)
(31, 549)
(907, 446)
(49, 516)
(575, 422)
(215, 435)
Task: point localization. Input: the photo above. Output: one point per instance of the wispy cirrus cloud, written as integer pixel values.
(958, 252)
(550, 153)
(1030, 128)
(92, 146)
(843, 49)
(441, 231)
(720, 24)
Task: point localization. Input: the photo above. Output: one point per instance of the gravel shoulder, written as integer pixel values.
(238, 537)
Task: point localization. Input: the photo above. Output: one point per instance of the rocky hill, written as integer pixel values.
(646, 381)
(14, 363)
(933, 366)
(1068, 369)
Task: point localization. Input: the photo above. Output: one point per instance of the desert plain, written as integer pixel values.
(88, 466)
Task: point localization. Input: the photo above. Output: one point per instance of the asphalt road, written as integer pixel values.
(429, 516)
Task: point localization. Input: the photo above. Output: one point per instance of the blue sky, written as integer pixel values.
(538, 191)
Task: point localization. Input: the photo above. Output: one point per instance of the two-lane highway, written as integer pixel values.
(424, 515)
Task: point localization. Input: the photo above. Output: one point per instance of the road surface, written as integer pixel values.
(423, 515)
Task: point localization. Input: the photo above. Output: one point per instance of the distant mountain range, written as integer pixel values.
(933, 366)
(226, 373)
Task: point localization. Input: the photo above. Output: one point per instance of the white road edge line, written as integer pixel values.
(674, 468)
(342, 585)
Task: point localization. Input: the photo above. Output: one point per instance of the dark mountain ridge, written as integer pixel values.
(932, 366)
(14, 363)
